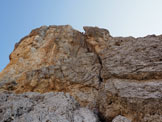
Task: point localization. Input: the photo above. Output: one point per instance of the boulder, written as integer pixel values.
(120, 118)
(48, 107)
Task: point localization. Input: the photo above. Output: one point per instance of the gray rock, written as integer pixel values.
(84, 115)
(48, 107)
(133, 58)
(132, 89)
(120, 118)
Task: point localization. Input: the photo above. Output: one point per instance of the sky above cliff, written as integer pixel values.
(121, 17)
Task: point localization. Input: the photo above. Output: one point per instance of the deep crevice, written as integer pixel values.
(90, 49)
(101, 118)
(100, 70)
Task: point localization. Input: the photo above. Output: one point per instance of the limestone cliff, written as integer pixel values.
(110, 75)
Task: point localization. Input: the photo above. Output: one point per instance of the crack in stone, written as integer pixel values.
(90, 49)
(100, 70)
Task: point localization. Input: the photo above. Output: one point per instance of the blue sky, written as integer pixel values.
(121, 17)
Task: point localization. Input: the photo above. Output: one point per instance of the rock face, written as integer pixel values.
(49, 107)
(54, 59)
(111, 75)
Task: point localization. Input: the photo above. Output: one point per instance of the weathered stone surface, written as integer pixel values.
(131, 72)
(120, 119)
(113, 75)
(43, 47)
(134, 89)
(53, 58)
(84, 115)
(133, 58)
(132, 98)
(49, 107)
(96, 38)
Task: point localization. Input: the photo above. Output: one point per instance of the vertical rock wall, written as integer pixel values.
(110, 75)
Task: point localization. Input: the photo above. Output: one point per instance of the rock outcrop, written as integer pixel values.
(110, 75)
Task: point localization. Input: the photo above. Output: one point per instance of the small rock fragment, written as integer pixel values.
(120, 118)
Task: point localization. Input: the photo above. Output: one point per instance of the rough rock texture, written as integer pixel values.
(132, 78)
(54, 59)
(49, 107)
(111, 75)
(120, 119)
